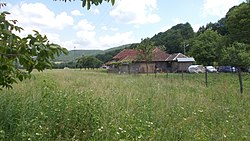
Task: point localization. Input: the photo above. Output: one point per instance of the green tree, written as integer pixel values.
(218, 26)
(237, 55)
(238, 23)
(174, 38)
(31, 52)
(205, 48)
(89, 62)
(88, 3)
(146, 48)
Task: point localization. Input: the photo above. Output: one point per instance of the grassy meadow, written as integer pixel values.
(94, 105)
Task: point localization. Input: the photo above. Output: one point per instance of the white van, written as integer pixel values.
(196, 69)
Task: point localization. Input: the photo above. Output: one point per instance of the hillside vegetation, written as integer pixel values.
(95, 105)
(75, 54)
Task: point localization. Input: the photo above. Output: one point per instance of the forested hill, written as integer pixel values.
(174, 39)
(73, 54)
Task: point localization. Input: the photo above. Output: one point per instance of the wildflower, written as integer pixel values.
(224, 135)
(184, 119)
(182, 108)
(226, 120)
(139, 136)
(201, 111)
(120, 128)
(100, 129)
(117, 133)
(83, 131)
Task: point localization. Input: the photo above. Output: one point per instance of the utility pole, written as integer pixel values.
(74, 56)
(185, 45)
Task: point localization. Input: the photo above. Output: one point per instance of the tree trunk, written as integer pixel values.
(147, 67)
(240, 81)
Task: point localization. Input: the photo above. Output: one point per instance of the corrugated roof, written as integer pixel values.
(173, 57)
(189, 59)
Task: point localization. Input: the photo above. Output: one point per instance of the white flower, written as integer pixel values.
(140, 137)
(200, 111)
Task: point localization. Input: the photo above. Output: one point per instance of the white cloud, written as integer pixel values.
(196, 27)
(164, 28)
(218, 8)
(113, 29)
(89, 40)
(37, 16)
(116, 39)
(176, 20)
(136, 11)
(104, 28)
(76, 13)
(85, 25)
(87, 36)
(30, 15)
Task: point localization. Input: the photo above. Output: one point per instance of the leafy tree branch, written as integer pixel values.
(29, 53)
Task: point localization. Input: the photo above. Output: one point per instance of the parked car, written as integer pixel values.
(196, 69)
(211, 69)
(227, 69)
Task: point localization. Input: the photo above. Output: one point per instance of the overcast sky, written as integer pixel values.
(106, 26)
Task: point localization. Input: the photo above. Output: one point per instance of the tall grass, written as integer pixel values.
(94, 105)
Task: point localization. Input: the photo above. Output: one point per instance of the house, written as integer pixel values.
(127, 62)
(179, 62)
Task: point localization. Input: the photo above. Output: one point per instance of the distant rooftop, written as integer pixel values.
(189, 59)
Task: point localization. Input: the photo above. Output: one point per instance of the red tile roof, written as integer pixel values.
(126, 54)
(131, 54)
(159, 55)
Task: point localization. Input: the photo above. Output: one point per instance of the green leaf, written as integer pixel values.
(84, 3)
(113, 2)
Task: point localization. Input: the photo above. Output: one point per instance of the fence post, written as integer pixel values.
(240, 81)
(206, 76)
